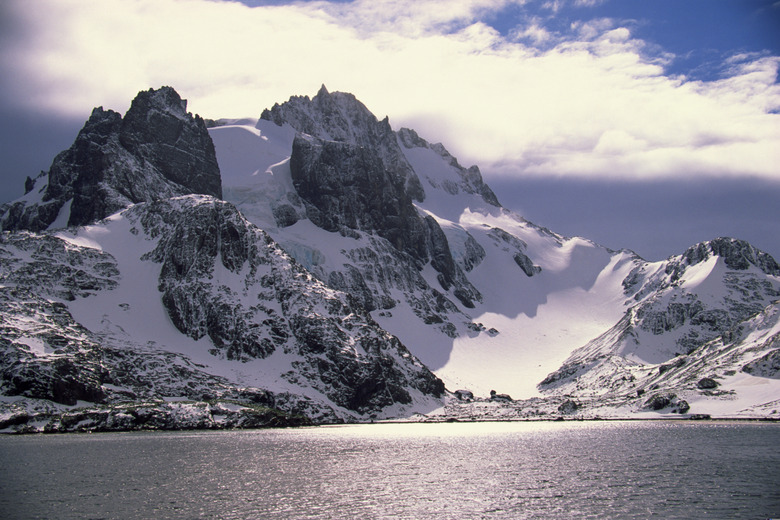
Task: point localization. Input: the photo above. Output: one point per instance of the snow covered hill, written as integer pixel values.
(185, 299)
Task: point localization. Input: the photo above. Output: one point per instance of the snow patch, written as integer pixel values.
(37, 346)
(62, 217)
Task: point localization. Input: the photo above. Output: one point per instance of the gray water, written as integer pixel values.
(422, 471)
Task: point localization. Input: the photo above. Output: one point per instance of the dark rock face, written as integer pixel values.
(156, 151)
(346, 187)
(158, 128)
(473, 254)
(342, 118)
(203, 238)
(450, 274)
(767, 365)
(671, 317)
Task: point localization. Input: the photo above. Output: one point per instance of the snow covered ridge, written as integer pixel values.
(317, 266)
(702, 323)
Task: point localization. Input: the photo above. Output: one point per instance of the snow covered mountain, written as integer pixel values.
(325, 269)
(454, 275)
(182, 299)
(684, 333)
(520, 300)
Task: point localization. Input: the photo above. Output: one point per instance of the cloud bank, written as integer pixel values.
(588, 101)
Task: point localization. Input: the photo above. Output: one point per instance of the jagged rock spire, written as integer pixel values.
(156, 151)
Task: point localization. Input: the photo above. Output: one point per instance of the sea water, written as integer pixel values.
(502, 470)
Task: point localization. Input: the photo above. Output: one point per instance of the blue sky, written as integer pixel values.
(650, 125)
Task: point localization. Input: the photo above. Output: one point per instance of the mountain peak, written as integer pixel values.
(737, 254)
(336, 116)
(341, 117)
(164, 99)
(157, 150)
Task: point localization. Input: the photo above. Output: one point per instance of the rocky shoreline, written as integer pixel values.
(16, 418)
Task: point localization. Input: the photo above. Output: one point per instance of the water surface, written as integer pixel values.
(418, 471)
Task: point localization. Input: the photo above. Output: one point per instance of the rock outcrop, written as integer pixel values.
(156, 151)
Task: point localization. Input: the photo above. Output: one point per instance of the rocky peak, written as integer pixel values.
(96, 133)
(736, 254)
(156, 151)
(164, 99)
(334, 117)
(339, 116)
(158, 128)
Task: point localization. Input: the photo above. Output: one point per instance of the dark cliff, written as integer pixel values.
(156, 151)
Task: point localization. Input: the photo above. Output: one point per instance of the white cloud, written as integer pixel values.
(534, 31)
(593, 102)
(588, 3)
(618, 142)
